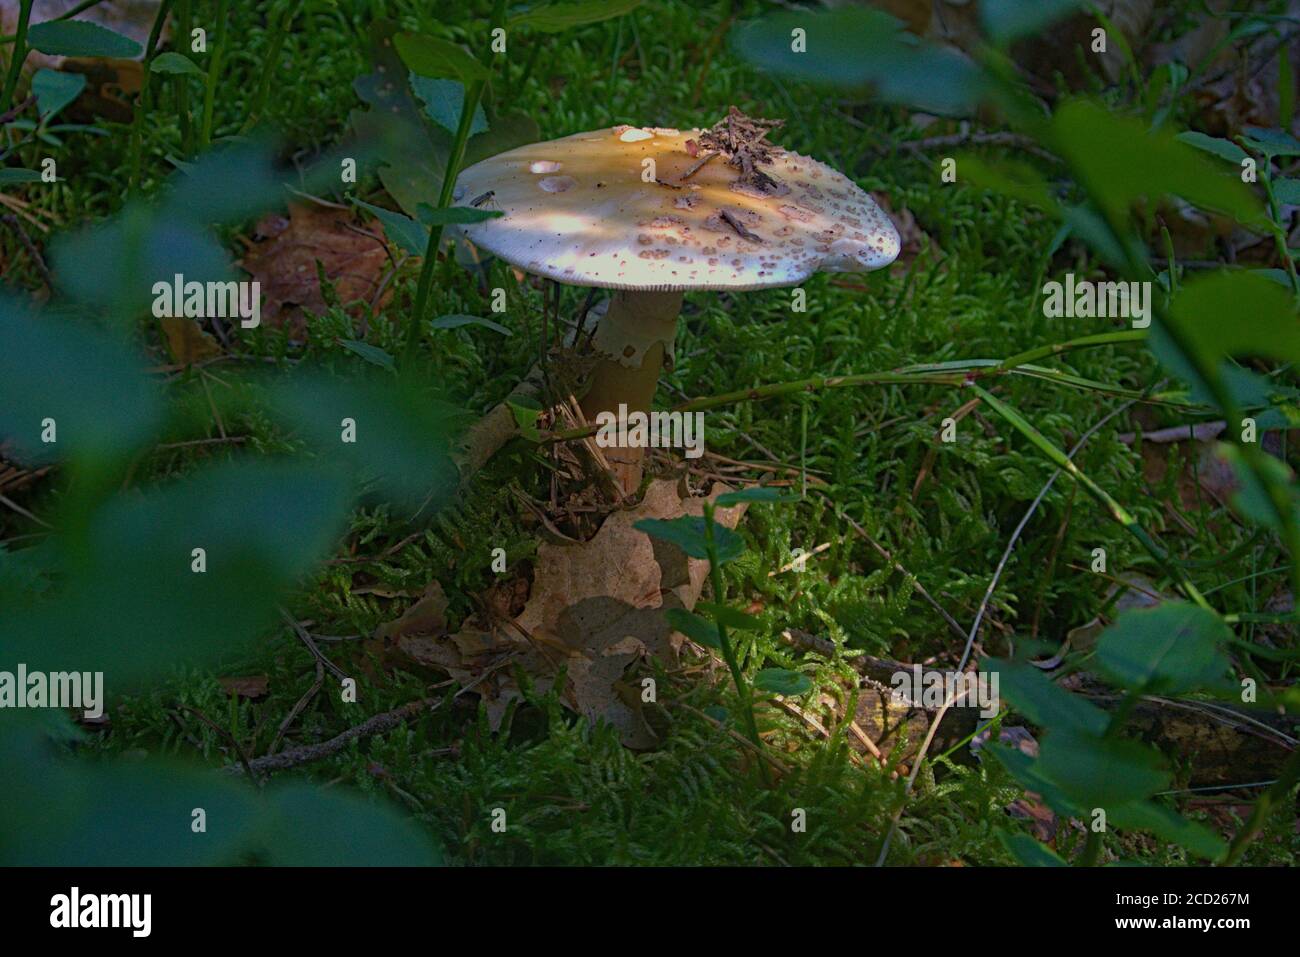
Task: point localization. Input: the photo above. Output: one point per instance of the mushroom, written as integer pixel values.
(588, 210)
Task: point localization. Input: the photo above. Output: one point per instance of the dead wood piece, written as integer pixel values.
(1219, 744)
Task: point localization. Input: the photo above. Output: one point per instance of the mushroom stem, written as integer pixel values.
(634, 339)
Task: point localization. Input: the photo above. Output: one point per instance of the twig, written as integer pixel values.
(9, 503)
(898, 567)
(980, 139)
(10, 220)
(800, 560)
(696, 166)
(314, 752)
(239, 751)
(776, 763)
(298, 707)
(11, 114)
(741, 231)
(310, 642)
(975, 627)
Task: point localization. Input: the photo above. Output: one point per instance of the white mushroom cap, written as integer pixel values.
(578, 211)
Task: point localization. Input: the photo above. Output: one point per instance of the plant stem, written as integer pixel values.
(184, 19)
(144, 100)
(1083, 342)
(18, 55)
(728, 652)
(214, 74)
(1279, 234)
(1117, 511)
(1275, 796)
(270, 66)
(1091, 850)
(473, 93)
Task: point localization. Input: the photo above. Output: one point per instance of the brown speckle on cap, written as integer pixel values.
(599, 224)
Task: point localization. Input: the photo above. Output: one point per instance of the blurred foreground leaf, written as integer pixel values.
(61, 812)
(129, 600)
(866, 51)
(58, 378)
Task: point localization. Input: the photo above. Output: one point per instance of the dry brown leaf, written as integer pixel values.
(594, 609)
(284, 261)
(187, 342)
(1238, 82)
(251, 687)
(425, 617)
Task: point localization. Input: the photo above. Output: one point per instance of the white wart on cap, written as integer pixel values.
(577, 210)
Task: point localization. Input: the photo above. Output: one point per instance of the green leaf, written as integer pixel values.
(10, 175)
(1236, 313)
(1006, 21)
(1027, 851)
(307, 826)
(1287, 191)
(443, 101)
(1251, 497)
(175, 64)
(755, 494)
(412, 152)
(1272, 142)
(864, 50)
(372, 354)
(1169, 826)
(556, 17)
(731, 617)
(431, 56)
(687, 533)
(526, 411)
(1101, 772)
(1010, 178)
(782, 681)
(114, 265)
(54, 90)
(72, 374)
(1026, 772)
(1119, 160)
(1224, 149)
(81, 38)
(402, 441)
(129, 602)
(410, 236)
(694, 627)
(1172, 648)
(454, 215)
(228, 183)
(50, 820)
(456, 321)
(1036, 697)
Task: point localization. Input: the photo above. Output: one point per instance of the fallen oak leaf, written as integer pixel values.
(594, 609)
(284, 261)
(425, 617)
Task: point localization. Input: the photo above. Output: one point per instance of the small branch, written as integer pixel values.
(14, 112)
(310, 642)
(315, 752)
(224, 734)
(1015, 140)
(12, 221)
